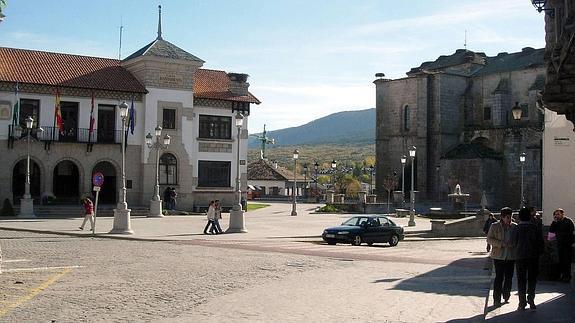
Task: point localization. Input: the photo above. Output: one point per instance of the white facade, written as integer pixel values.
(558, 167)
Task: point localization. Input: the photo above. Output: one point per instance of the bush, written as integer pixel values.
(7, 209)
(329, 208)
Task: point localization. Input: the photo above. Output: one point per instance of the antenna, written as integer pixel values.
(465, 42)
(120, 48)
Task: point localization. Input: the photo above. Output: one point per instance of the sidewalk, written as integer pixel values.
(555, 303)
(266, 223)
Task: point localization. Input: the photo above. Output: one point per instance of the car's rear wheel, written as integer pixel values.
(394, 240)
(356, 241)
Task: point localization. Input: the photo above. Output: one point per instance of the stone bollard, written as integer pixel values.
(362, 197)
(329, 197)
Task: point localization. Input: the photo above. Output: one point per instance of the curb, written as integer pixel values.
(82, 235)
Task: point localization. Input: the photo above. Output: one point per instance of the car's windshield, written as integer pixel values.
(351, 222)
(356, 221)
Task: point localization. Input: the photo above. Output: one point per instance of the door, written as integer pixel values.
(385, 229)
(70, 119)
(373, 231)
(106, 123)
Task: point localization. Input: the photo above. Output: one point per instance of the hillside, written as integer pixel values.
(341, 128)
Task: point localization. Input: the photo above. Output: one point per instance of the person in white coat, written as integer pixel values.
(210, 215)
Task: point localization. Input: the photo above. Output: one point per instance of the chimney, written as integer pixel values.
(238, 83)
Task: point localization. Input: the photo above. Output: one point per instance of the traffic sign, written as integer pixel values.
(98, 179)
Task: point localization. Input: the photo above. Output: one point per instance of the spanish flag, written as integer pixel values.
(58, 114)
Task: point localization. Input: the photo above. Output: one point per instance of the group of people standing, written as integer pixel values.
(214, 215)
(517, 247)
(170, 196)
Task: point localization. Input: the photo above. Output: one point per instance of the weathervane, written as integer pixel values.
(264, 140)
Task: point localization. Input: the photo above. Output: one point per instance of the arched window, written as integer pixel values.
(168, 169)
(406, 118)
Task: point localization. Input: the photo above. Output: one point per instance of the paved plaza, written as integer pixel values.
(168, 271)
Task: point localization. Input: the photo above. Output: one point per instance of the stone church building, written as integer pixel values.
(456, 110)
(166, 86)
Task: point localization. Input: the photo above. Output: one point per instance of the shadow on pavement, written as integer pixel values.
(463, 277)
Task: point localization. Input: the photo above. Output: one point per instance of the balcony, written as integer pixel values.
(72, 135)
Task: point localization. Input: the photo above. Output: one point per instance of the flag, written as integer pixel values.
(91, 120)
(131, 122)
(58, 114)
(16, 110)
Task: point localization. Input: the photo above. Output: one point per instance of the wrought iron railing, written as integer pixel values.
(78, 135)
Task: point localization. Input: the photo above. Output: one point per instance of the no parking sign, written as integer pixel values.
(98, 181)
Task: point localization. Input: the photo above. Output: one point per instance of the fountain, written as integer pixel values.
(459, 200)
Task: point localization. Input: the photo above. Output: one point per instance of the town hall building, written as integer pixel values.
(75, 100)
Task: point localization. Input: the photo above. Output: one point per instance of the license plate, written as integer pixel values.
(330, 235)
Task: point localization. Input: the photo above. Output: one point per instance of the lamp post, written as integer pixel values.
(156, 201)
(121, 212)
(315, 168)
(305, 180)
(522, 161)
(411, 222)
(403, 161)
(333, 169)
(294, 203)
(237, 224)
(371, 170)
(27, 202)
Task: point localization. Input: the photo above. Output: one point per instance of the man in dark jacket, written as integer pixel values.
(528, 247)
(562, 227)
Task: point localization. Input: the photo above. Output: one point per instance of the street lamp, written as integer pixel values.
(237, 214)
(121, 212)
(540, 6)
(522, 161)
(333, 169)
(293, 205)
(27, 202)
(156, 201)
(371, 170)
(315, 168)
(305, 180)
(403, 161)
(411, 222)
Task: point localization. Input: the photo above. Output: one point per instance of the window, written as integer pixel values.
(29, 108)
(486, 113)
(524, 111)
(214, 173)
(215, 127)
(168, 169)
(169, 118)
(406, 118)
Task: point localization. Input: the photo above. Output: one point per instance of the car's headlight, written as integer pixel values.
(343, 232)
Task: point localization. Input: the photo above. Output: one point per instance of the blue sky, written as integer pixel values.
(306, 59)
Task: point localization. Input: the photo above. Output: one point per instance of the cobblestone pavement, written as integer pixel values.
(70, 279)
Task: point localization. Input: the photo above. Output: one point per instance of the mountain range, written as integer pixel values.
(346, 127)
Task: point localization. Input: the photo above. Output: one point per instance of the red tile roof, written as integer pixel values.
(67, 70)
(37, 67)
(214, 84)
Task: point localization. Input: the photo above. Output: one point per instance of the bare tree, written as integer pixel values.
(389, 183)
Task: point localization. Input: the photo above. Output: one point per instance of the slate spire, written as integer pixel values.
(159, 22)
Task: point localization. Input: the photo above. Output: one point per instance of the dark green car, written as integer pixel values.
(368, 229)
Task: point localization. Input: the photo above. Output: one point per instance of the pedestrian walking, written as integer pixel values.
(88, 213)
(490, 220)
(563, 227)
(217, 217)
(173, 196)
(501, 238)
(210, 216)
(167, 197)
(529, 246)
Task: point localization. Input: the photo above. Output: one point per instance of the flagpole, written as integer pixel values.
(55, 111)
